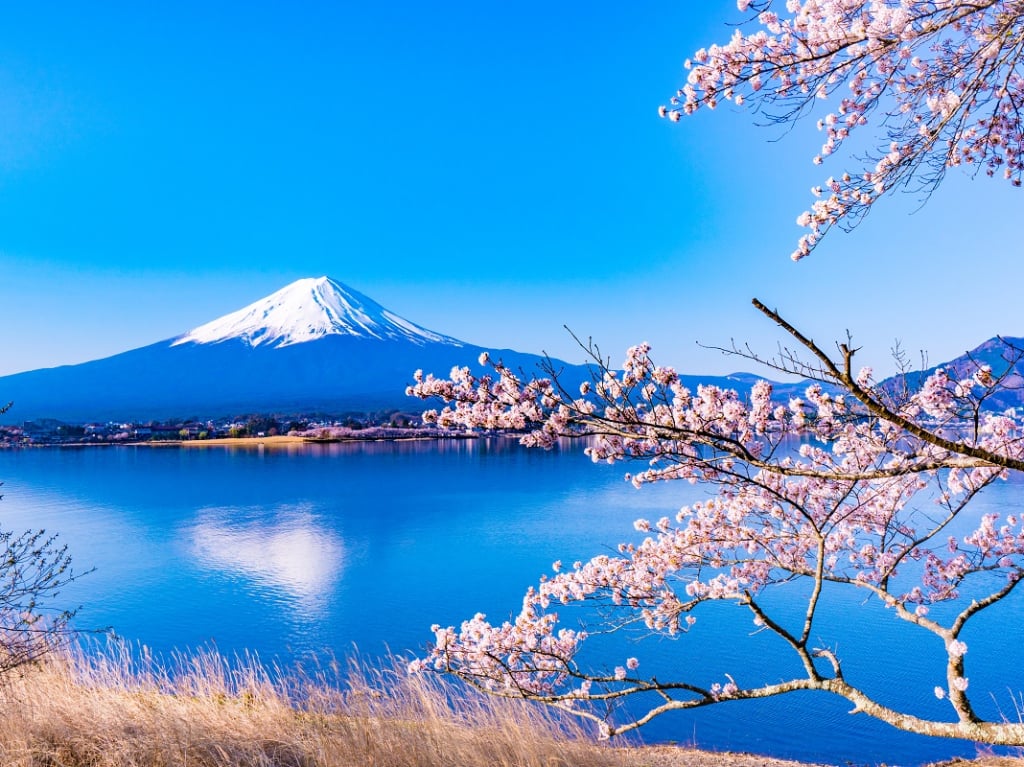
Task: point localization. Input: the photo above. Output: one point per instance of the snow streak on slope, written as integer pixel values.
(309, 309)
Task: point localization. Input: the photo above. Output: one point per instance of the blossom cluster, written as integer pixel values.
(945, 75)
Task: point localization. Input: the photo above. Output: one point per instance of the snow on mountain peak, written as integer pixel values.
(309, 309)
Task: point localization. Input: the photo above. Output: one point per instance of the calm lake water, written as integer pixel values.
(326, 548)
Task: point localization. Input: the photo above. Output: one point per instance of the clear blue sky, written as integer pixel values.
(493, 171)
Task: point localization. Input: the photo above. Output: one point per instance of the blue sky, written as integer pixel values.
(493, 171)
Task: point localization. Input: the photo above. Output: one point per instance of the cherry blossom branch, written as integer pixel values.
(799, 645)
(945, 76)
(843, 375)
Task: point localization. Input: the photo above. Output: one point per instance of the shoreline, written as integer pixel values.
(282, 440)
(273, 442)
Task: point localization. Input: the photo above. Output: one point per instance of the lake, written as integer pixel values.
(326, 549)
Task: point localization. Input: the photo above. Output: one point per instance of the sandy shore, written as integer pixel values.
(230, 441)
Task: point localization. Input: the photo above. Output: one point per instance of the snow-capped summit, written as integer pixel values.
(309, 309)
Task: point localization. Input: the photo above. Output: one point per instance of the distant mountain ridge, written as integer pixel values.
(1003, 354)
(315, 346)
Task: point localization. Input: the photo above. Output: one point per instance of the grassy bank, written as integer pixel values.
(113, 708)
(108, 708)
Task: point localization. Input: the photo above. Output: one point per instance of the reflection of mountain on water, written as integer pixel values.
(287, 553)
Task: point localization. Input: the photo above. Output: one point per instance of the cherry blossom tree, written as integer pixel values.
(856, 485)
(34, 567)
(33, 570)
(853, 485)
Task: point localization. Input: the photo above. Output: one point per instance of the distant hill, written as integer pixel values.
(1002, 353)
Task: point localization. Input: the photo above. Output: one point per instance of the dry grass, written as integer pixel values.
(108, 708)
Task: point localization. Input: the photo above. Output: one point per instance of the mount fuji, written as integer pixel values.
(315, 346)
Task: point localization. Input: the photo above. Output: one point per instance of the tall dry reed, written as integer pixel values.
(111, 706)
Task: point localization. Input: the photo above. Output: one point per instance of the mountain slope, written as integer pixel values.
(333, 374)
(314, 346)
